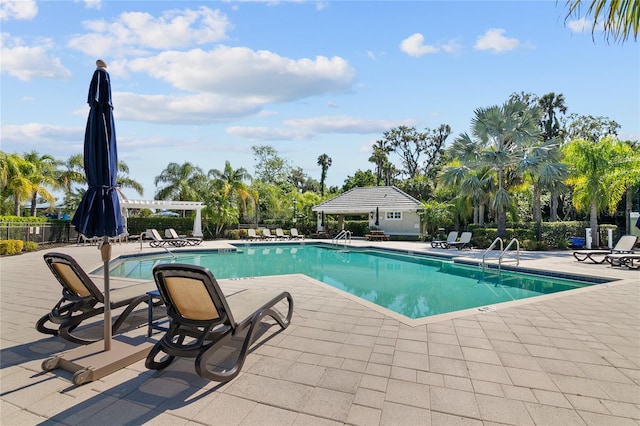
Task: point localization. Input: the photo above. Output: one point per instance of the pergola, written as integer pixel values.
(169, 205)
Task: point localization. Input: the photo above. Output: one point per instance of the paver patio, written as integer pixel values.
(561, 359)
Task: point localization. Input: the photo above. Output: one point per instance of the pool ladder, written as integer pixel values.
(503, 252)
(343, 235)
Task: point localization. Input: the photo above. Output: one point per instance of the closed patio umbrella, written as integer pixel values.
(638, 221)
(99, 214)
(377, 216)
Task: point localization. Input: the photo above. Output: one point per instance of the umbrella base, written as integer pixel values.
(92, 362)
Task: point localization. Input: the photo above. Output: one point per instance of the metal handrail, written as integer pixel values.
(513, 240)
(344, 234)
(491, 247)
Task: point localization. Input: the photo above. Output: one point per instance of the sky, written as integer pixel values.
(203, 82)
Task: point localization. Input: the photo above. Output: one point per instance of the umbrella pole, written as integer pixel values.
(105, 251)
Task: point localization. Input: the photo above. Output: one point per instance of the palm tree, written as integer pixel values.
(232, 184)
(324, 161)
(501, 137)
(73, 172)
(124, 181)
(43, 174)
(14, 170)
(620, 18)
(600, 173)
(183, 182)
(380, 157)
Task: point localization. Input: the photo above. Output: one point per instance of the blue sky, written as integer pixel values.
(204, 81)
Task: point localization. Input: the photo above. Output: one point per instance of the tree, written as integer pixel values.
(324, 161)
(412, 145)
(14, 170)
(183, 182)
(360, 179)
(269, 166)
(380, 157)
(499, 141)
(434, 215)
(620, 18)
(590, 128)
(232, 184)
(600, 173)
(124, 181)
(41, 175)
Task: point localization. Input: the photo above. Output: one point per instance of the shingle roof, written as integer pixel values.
(364, 200)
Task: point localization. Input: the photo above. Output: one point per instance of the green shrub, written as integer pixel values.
(11, 247)
(30, 246)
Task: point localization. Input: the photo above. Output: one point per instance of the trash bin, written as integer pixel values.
(576, 242)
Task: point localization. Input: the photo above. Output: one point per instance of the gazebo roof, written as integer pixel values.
(362, 200)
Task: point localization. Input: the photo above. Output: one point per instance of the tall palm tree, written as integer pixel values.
(232, 184)
(600, 172)
(183, 181)
(125, 181)
(42, 175)
(501, 137)
(324, 161)
(73, 172)
(14, 170)
(620, 18)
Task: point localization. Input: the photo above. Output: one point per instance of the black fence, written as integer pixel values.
(45, 233)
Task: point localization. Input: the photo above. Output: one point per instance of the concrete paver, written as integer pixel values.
(569, 358)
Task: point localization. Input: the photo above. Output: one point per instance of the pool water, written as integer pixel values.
(414, 286)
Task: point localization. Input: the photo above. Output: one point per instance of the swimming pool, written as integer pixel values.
(411, 285)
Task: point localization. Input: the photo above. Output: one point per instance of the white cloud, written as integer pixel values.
(136, 32)
(267, 133)
(259, 76)
(414, 46)
(93, 4)
(495, 41)
(306, 128)
(583, 25)
(341, 124)
(18, 9)
(59, 139)
(181, 109)
(29, 62)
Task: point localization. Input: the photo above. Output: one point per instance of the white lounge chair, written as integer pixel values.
(171, 234)
(266, 234)
(464, 241)
(451, 238)
(624, 245)
(280, 234)
(251, 234)
(293, 234)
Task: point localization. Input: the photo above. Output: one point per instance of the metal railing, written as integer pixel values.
(500, 259)
(491, 247)
(342, 235)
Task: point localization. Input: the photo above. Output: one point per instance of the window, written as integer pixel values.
(394, 216)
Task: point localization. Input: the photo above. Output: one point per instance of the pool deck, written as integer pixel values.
(570, 358)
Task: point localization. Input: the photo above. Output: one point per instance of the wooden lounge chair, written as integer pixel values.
(158, 241)
(81, 299)
(267, 235)
(171, 234)
(203, 320)
(624, 245)
(630, 260)
(464, 241)
(294, 235)
(451, 238)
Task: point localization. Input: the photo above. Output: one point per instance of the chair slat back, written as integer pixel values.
(192, 293)
(71, 276)
(452, 237)
(626, 243)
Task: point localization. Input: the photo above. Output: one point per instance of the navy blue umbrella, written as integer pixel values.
(638, 221)
(99, 214)
(377, 216)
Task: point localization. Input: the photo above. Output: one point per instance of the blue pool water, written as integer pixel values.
(414, 286)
